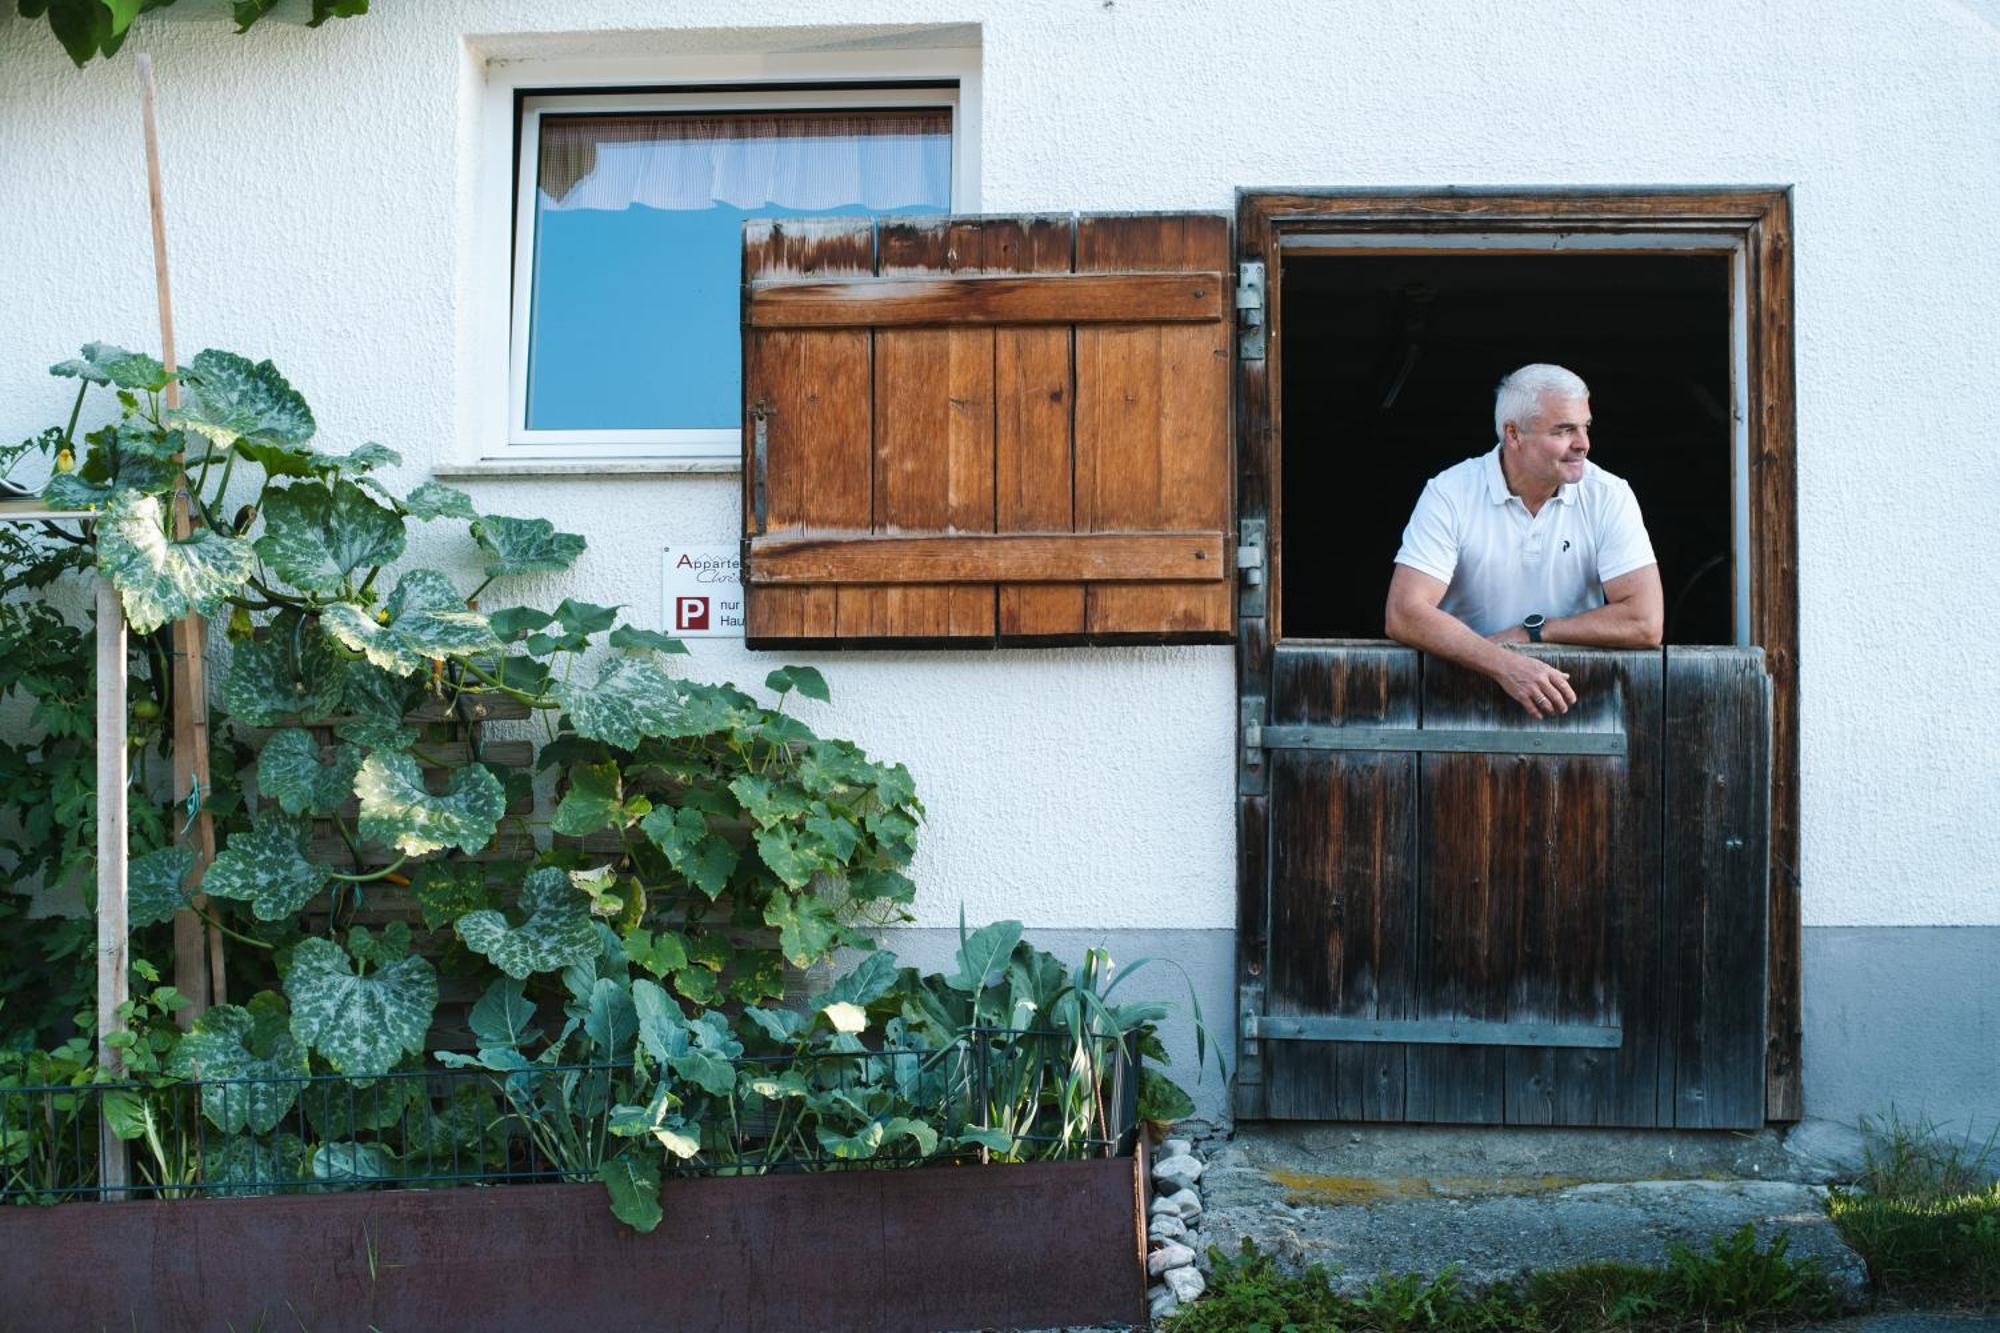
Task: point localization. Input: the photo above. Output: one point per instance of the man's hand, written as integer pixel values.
(1512, 634)
(1535, 685)
(1413, 617)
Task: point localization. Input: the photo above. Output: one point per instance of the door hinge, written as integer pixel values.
(1250, 310)
(1253, 730)
(1250, 551)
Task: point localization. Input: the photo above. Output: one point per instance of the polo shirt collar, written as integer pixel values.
(1496, 482)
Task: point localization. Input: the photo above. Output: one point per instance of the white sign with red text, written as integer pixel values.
(703, 592)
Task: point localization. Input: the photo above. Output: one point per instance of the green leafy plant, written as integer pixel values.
(90, 28)
(700, 843)
(1734, 1284)
(1924, 1213)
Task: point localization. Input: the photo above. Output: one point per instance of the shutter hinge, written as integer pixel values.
(760, 462)
(1250, 310)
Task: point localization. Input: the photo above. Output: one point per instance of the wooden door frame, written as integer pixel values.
(1758, 222)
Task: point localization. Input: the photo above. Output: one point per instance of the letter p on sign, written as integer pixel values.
(690, 613)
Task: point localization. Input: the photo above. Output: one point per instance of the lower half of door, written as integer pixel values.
(1478, 918)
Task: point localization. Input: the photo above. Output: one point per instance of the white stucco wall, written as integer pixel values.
(321, 193)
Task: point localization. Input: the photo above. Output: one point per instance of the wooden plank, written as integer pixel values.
(1152, 425)
(1774, 624)
(933, 454)
(1043, 298)
(1253, 673)
(1565, 208)
(1250, 1087)
(1608, 818)
(1538, 901)
(1034, 463)
(1024, 558)
(1343, 880)
(113, 921)
(468, 707)
(811, 391)
(1717, 869)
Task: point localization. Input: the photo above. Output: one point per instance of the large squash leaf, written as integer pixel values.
(632, 697)
(807, 928)
(316, 537)
(525, 545)
(705, 858)
(376, 703)
(361, 461)
(351, 1164)
(425, 618)
(361, 1025)
(253, 1044)
(397, 809)
(289, 772)
(434, 499)
(267, 867)
(595, 800)
(289, 672)
(248, 406)
(554, 930)
(241, 1166)
(162, 579)
(103, 363)
(447, 890)
(156, 886)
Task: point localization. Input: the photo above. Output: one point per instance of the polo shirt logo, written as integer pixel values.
(1565, 543)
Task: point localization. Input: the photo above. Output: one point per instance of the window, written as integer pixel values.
(627, 249)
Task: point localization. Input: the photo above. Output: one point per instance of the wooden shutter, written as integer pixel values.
(987, 430)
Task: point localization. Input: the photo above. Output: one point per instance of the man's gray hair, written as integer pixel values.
(1519, 396)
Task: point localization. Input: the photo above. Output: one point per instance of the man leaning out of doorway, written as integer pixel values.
(1528, 543)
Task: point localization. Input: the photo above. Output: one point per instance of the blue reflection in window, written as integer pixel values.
(634, 321)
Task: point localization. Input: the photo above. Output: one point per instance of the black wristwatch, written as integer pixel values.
(1533, 624)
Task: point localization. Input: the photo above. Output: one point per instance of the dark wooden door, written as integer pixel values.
(1476, 918)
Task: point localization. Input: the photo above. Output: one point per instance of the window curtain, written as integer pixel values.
(879, 160)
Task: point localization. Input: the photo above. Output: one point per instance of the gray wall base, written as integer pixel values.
(1904, 1016)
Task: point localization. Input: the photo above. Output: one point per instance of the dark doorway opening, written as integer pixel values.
(1389, 366)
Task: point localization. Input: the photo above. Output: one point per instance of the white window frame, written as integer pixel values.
(515, 98)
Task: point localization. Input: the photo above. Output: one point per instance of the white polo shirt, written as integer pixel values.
(1501, 564)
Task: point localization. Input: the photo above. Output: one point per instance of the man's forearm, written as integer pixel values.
(1444, 635)
(1613, 625)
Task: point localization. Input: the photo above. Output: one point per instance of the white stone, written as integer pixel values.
(1186, 1283)
(1180, 1172)
(1169, 1256)
(1167, 1226)
(1164, 1302)
(1189, 1205)
(1164, 1204)
(1175, 1148)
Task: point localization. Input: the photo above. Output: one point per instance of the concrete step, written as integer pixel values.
(1500, 1202)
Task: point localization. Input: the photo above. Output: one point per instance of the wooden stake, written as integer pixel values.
(112, 777)
(195, 976)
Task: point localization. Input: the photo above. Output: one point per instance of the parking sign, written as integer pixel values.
(703, 591)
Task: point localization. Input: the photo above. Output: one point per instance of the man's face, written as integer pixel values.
(1549, 449)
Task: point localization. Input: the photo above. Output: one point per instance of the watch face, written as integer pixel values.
(1534, 622)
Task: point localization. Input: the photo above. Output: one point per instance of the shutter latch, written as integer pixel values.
(1250, 310)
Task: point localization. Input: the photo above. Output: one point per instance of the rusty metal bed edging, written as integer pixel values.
(1429, 1031)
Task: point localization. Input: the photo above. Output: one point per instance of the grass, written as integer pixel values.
(1735, 1284)
(1924, 1214)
